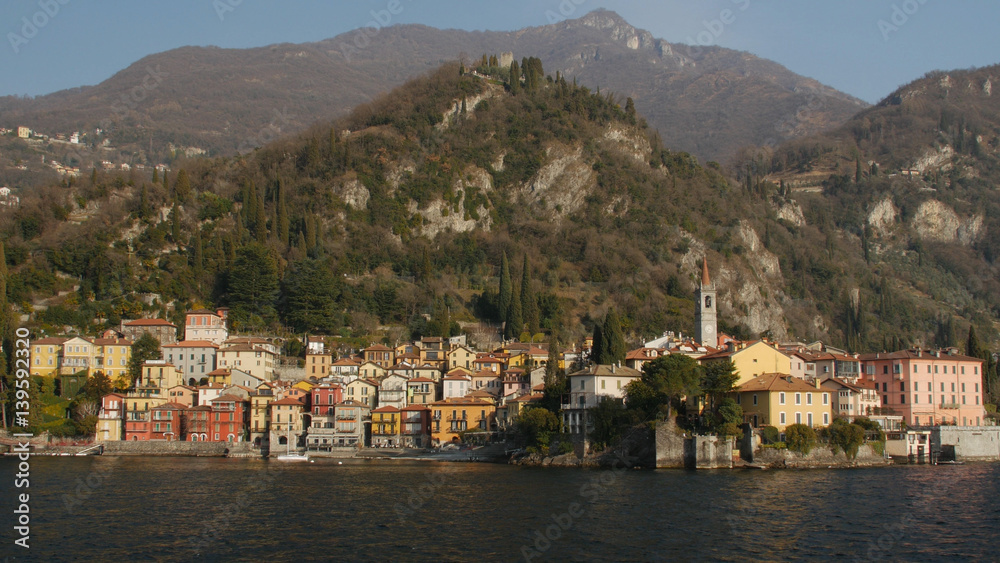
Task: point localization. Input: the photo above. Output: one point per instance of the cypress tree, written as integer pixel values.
(166, 183)
(283, 224)
(613, 348)
(505, 288)
(199, 259)
(175, 224)
(156, 175)
(515, 78)
(529, 304)
(973, 348)
(182, 185)
(515, 320)
(596, 349)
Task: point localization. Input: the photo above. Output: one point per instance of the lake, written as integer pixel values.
(184, 509)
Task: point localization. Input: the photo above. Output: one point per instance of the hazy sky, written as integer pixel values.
(863, 47)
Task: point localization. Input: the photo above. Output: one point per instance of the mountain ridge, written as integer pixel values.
(213, 95)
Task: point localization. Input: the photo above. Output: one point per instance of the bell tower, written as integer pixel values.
(705, 317)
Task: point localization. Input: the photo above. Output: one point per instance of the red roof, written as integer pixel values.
(386, 409)
(288, 401)
(417, 408)
(421, 380)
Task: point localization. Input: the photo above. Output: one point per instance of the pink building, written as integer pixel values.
(928, 387)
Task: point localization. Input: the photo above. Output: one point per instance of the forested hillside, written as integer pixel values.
(395, 219)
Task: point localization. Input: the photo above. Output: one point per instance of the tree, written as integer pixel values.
(720, 378)
(529, 304)
(800, 438)
(515, 320)
(597, 344)
(613, 343)
(253, 286)
(552, 371)
(310, 297)
(505, 288)
(283, 221)
(537, 425)
(182, 185)
(673, 377)
(145, 349)
(845, 436)
(98, 385)
(630, 110)
(515, 78)
(175, 225)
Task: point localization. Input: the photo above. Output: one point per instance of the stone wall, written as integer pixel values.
(198, 449)
(820, 456)
(675, 450)
(966, 443)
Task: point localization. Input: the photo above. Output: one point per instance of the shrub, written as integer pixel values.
(847, 437)
(770, 435)
(730, 429)
(800, 438)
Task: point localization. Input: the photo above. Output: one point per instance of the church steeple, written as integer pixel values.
(705, 317)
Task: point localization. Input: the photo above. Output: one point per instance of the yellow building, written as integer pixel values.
(260, 412)
(781, 400)
(461, 357)
(362, 391)
(112, 356)
(459, 414)
(385, 427)
(78, 355)
(752, 360)
(160, 374)
(45, 356)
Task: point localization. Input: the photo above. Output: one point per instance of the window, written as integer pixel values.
(916, 399)
(809, 398)
(798, 398)
(826, 398)
(581, 384)
(602, 384)
(755, 398)
(781, 398)
(826, 419)
(963, 388)
(809, 419)
(798, 418)
(916, 386)
(902, 386)
(885, 387)
(953, 387)
(781, 418)
(902, 399)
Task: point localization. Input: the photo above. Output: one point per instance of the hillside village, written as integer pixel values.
(212, 386)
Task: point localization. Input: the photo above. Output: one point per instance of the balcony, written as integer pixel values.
(455, 417)
(949, 406)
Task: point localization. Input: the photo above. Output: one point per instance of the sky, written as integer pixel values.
(866, 48)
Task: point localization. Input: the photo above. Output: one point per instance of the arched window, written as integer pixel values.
(708, 301)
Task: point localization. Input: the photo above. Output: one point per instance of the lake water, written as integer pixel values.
(189, 509)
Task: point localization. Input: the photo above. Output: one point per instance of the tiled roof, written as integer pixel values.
(776, 382)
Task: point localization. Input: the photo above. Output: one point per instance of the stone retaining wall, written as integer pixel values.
(198, 449)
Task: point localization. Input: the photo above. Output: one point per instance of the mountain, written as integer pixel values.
(394, 219)
(708, 101)
(911, 184)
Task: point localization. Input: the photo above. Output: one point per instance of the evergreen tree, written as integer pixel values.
(515, 319)
(156, 175)
(630, 110)
(166, 183)
(198, 262)
(613, 345)
(552, 371)
(529, 304)
(596, 348)
(144, 349)
(973, 348)
(283, 223)
(175, 225)
(310, 297)
(515, 78)
(182, 186)
(310, 232)
(260, 221)
(505, 288)
(253, 286)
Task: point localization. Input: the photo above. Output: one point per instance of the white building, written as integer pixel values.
(589, 387)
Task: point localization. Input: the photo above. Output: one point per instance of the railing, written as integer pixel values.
(455, 418)
(949, 406)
